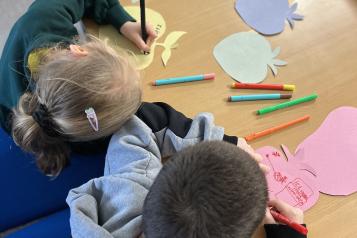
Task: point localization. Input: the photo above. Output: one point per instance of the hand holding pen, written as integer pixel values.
(281, 212)
(140, 33)
(132, 31)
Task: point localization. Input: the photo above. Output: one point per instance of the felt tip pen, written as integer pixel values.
(281, 218)
(144, 33)
(184, 79)
(283, 87)
(255, 97)
(276, 128)
(266, 110)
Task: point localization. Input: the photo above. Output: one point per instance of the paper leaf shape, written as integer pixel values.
(165, 56)
(119, 42)
(292, 16)
(276, 52)
(287, 182)
(170, 43)
(332, 151)
(297, 161)
(245, 57)
(276, 62)
(267, 16)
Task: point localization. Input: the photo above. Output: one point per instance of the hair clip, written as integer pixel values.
(92, 118)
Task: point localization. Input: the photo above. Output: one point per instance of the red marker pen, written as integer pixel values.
(280, 218)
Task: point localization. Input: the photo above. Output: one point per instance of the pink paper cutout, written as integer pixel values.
(332, 151)
(297, 161)
(286, 181)
(326, 161)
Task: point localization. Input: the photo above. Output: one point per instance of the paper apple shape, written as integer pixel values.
(267, 16)
(245, 56)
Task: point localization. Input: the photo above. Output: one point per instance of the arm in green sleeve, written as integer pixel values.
(71, 11)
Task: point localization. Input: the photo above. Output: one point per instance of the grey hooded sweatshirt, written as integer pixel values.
(111, 206)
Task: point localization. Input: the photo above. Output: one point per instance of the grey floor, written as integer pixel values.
(10, 11)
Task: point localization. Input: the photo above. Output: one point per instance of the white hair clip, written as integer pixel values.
(92, 118)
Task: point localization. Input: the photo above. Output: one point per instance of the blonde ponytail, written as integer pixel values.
(51, 152)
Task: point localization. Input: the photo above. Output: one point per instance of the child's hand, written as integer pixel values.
(132, 31)
(242, 143)
(293, 213)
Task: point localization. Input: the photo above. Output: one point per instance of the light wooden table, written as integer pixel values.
(322, 57)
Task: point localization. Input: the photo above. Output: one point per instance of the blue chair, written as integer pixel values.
(29, 197)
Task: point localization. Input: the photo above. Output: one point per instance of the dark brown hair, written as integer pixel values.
(213, 189)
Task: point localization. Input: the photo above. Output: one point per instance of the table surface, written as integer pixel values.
(321, 52)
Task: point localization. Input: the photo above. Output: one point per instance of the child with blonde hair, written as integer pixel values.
(56, 93)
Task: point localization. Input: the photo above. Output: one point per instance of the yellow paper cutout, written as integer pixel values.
(118, 41)
(170, 43)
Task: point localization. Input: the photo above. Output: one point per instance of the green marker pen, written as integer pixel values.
(266, 110)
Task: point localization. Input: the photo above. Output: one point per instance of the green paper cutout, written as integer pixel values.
(246, 55)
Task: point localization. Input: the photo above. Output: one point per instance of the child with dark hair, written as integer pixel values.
(211, 189)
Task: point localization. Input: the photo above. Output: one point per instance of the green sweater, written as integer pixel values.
(45, 23)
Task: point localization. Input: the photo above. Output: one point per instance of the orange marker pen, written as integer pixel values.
(274, 129)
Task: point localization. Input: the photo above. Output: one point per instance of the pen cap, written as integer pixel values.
(289, 87)
(209, 76)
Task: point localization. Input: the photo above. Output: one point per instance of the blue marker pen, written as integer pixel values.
(255, 97)
(184, 79)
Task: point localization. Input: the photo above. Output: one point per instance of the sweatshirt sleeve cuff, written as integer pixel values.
(281, 231)
(117, 16)
(230, 139)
